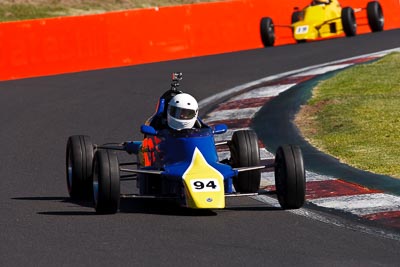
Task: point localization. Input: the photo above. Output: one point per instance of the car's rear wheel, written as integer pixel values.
(267, 31)
(106, 182)
(296, 16)
(245, 153)
(79, 157)
(375, 16)
(349, 22)
(290, 177)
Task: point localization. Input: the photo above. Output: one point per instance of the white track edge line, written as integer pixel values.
(239, 88)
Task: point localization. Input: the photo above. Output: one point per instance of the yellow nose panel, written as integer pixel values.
(204, 185)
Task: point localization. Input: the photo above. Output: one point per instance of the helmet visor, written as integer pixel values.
(182, 113)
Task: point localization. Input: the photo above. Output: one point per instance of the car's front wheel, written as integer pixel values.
(79, 157)
(375, 16)
(290, 177)
(106, 182)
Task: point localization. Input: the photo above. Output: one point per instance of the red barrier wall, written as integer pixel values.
(70, 44)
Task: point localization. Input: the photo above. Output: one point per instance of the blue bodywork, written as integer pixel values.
(177, 149)
(173, 153)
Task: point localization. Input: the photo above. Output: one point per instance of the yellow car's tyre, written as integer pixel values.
(267, 31)
(375, 16)
(245, 153)
(296, 16)
(349, 21)
(290, 175)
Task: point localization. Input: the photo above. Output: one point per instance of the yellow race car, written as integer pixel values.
(323, 19)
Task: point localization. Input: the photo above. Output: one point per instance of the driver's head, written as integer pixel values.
(182, 111)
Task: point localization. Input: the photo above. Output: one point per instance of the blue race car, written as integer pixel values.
(180, 164)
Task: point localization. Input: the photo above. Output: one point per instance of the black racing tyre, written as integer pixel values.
(290, 177)
(375, 16)
(267, 32)
(296, 15)
(349, 21)
(245, 153)
(106, 182)
(79, 158)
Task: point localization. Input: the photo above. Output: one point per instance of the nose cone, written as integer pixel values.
(204, 185)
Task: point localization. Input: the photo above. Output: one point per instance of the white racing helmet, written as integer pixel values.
(182, 112)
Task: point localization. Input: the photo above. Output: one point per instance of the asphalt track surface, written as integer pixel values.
(40, 226)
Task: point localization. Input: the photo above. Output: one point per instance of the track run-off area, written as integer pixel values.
(365, 195)
(42, 227)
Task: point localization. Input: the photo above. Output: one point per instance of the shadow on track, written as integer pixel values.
(142, 206)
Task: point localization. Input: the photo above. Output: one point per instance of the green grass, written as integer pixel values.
(355, 116)
(11, 10)
(23, 11)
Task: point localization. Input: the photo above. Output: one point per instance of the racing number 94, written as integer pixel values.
(205, 185)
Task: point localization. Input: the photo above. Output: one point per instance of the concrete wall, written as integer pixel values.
(70, 44)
